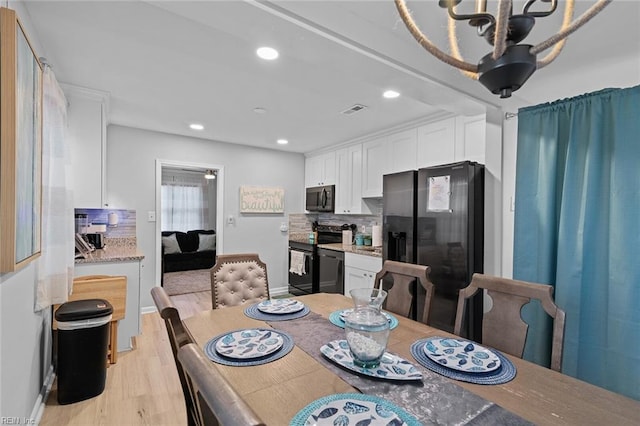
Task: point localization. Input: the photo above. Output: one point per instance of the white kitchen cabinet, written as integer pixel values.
(349, 181)
(130, 325)
(320, 170)
(402, 150)
(436, 143)
(360, 271)
(86, 115)
(471, 138)
(375, 164)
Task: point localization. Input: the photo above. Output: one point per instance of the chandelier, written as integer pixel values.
(510, 64)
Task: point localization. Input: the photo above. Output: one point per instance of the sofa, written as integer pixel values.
(183, 251)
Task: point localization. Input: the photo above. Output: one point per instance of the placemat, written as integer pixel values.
(252, 311)
(335, 319)
(503, 374)
(435, 400)
(212, 354)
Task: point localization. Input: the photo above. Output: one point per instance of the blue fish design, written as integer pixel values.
(243, 341)
(228, 339)
(398, 370)
(265, 336)
(383, 412)
(271, 342)
(463, 356)
(469, 348)
(353, 408)
(492, 364)
(481, 355)
(476, 361)
(449, 351)
(365, 422)
(395, 422)
(343, 344)
(382, 373)
(341, 420)
(326, 413)
(262, 348)
(462, 362)
(249, 333)
(450, 343)
(443, 361)
(431, 347)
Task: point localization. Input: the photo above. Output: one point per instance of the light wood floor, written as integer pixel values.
(142, 388)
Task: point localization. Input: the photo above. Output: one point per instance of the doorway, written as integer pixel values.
(214, 187)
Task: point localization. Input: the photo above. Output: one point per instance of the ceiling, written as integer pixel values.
(166, 64)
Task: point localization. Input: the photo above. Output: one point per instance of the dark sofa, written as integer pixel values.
(191, 254)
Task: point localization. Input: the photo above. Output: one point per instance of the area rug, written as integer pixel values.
(187, 281)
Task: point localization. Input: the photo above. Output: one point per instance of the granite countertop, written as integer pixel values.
(112, 254)
(365, 250)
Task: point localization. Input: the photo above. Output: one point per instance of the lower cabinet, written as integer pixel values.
(129, 326)
(360, 271)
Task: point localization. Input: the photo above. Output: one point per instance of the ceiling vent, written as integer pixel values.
(353, 109)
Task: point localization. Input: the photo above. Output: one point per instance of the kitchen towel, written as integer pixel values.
(297, 263)
(376, 236)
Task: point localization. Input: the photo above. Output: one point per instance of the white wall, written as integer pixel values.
(131, 165)
(25, 336)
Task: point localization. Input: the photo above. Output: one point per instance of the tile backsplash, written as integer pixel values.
(126, 221)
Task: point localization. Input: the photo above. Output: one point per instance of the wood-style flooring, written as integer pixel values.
(142, 388)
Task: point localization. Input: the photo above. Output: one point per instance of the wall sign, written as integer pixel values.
(261, 199)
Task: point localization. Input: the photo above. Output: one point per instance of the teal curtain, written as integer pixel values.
(577, 227)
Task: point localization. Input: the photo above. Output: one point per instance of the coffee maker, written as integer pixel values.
(96, 239)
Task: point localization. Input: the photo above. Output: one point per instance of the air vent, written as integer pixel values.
(353, 109)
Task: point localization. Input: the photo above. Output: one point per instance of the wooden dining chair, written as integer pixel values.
(217, 404)
(399, 296)
(502, 326)
(178, 337)
(237, 279)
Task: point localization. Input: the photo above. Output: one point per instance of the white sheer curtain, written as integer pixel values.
(185, 204)
(55, 265)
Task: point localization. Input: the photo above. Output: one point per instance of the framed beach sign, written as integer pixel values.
(20, 145)
(261, 199)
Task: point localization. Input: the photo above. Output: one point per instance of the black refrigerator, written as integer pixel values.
(435, 217)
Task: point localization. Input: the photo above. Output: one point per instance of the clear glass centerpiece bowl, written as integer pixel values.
(367, 333)
(371, 297)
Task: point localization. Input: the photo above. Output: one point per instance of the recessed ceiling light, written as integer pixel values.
(390, 94)
(282, 141)
(196, 126)
(259, 110)
(268, 53)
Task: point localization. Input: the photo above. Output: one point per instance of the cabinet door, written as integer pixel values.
(375, 164)
(402, 150)
(471, 138)
(357, 278)
(320, 170)
(436, 143)
(349, 180)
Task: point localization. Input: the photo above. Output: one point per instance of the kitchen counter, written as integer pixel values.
(365, 250)
(112, 254)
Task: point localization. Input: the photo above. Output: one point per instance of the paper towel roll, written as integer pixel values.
(376, 236)
(346, 238)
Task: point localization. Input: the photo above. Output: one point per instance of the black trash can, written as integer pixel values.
(83, 339)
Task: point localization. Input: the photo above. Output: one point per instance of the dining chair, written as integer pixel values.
(399, 296)
(237, 279)
(217, 404)
(502, 326)
(178, 337)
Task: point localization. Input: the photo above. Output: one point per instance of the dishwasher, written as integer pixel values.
(331, 265)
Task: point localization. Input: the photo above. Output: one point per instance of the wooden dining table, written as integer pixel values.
(279, 389)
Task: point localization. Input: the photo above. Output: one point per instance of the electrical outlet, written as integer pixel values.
(231, 220)
(284, 227)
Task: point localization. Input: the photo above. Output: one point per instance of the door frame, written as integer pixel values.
(160, 163)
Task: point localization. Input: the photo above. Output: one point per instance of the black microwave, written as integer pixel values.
(321, 198)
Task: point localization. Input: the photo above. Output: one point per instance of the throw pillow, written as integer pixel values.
(207, 242)
(170, 244)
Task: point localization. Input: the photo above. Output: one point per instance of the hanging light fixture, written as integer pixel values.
(210, 174)
(508, 67)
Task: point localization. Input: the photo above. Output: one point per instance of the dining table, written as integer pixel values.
(278, 390)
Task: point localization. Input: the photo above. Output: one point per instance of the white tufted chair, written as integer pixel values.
(237, 279)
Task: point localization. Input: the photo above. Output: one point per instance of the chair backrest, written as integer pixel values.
(237, 279)
(178, 337)
(216, 401)
(502, 326)
(399, 296)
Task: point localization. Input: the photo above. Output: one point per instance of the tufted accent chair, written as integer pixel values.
(237, 279)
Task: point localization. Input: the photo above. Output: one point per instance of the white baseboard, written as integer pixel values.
(148, 310)
(38, 407)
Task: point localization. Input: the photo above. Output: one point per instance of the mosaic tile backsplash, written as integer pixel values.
(125, 228)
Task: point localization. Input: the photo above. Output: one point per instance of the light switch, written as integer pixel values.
(151, 216)
(231, 220)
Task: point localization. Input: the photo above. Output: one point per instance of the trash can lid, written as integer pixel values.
(83, 309)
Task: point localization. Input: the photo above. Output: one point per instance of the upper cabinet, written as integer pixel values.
(436, 143)
(349, 181)
(471, 138)
(88, 145)
(402, 150)
(320, 170)
(375, 163)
